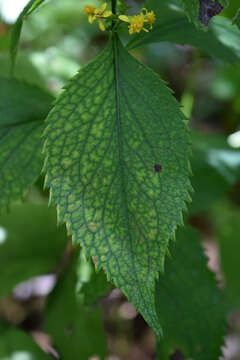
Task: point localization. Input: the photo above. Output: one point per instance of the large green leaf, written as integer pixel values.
(17, 345)
(117, 165)
(22, 111)
(191, 308)
(77, 332)
(173, 26)
(33, 244)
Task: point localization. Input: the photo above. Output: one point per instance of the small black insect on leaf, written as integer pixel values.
(208, 9)
(157, 167)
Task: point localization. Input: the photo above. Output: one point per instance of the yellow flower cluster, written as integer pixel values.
(136, 22)
(99, 14)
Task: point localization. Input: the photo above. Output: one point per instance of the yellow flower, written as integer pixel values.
(136, 23)
(97, 13)
(150, 17)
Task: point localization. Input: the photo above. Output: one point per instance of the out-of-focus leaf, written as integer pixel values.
(96, 287)
(22, 111)
(208, 184)
(77, 332)
(217, 153)
(190, 306)
(227, 34)
(17, 345)
(191, 8)
(221, 40)
(202, 11)
(225, 85)
(34, 6)
(25, 70)
(216, 166)
(236, 19)
(31, 244)
(226, 219)
(17, 28)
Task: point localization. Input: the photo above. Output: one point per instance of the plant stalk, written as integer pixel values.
(114, 3)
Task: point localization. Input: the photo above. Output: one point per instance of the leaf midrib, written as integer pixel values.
(121, 161)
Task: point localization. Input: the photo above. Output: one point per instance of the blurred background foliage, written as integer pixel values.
(56, 41)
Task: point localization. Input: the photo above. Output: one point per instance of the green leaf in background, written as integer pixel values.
(117, 165)
(236, 19)
(34, 6)
(92, 285)
(217, 153)
(96, 287)
(200, 12)
(22, 111)
(17, 345)
(191, 8)
(25, 70)
(191, 308)
(77, 332)
(31, 244)
(17, 28)
(225, 217)
(208, 184)
(216, 167)
(220, 41)
(227, 33)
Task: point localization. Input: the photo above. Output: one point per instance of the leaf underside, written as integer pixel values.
(22, 111)
(117, 164)
(190, 306)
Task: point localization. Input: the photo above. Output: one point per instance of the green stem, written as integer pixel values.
(114, 3)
